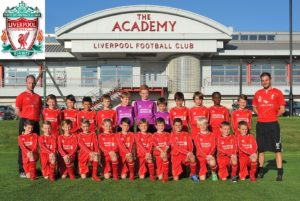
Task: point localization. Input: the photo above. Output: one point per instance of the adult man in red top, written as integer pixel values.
(268, 104)
(28, 107)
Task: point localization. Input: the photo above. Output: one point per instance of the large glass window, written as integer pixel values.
(15, 76)
(59, 75)
(227, 75)
(116, 76)
(296, 74)
(277, 71)
(89, 76)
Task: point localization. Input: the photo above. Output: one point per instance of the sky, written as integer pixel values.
(242, 15)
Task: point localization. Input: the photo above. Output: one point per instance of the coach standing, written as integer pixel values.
(28, 107)
(268, 104)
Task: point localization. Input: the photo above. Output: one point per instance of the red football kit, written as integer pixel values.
(89, 115)
(125, 142)
(48, 146)
(217, 114)
(67, 145)
(162, 140)
(54, 116)
(144, 145)
(108, 143)
(246, 147)
(226, 146)
(240, 115)
(28, 143)
(87, 143)
(71, 114)
(181, 144)
(106, 114)
(205, 144)
(181, 113)
(268, 103)
(30, 105)
(197, 112)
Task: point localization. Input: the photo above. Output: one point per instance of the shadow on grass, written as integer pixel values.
(271, 165)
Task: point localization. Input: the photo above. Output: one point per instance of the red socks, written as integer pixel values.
(234, 170)
(193, 168)
(32, 170)
(151, 171)
(95, 171)
(253, 168)
(115, 169)
(131, 170)
(52, 172)
(165, 171)
(70, 171)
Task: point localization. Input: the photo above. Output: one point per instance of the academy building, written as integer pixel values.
(169, 49)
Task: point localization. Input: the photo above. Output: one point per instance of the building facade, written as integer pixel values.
(167, 48)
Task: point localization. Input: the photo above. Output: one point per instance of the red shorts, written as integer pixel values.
(244, 163)
(62, 168)
(224, 164)
(45, 163)
(142, 165)
(106, 164)
(203, 165)
(26, 161)
(159, 164)
(83, 163)
(177, 162)
(123, 164)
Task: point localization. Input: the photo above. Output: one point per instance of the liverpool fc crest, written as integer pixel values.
(22, 36)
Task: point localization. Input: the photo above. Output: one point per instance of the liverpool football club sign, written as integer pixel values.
(23, 26)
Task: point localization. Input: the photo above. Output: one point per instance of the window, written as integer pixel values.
(89, 76)
(296, 74)
(277, 71)
(244, 37)
(262, 37)
(253, 37)
(59, 75)
(227, 75)
(16, 75)
(235, 37)
(270, 37)
(116, 76)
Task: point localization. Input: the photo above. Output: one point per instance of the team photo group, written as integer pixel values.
(145, 139)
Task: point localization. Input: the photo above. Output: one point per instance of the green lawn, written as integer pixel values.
(14, 188)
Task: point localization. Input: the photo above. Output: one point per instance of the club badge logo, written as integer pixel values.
(22, 36)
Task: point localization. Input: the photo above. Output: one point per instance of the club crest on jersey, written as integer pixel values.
(22, 36)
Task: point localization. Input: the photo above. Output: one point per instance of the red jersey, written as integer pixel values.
(181, 113)
(108, 143)
(89, 115)
(67, 145)
(30, 105)
(47, 144)
(205, 144)
(227, 146)
(87, 143)
(247, 144)
(144, 144)
(161, 140)
(106, 114)
(125, 142)
(218, 114)
(181, 143)
(54, 116)
(196, 112)
(71, 114)
(27, 143)
(241, 115)
(268, 103)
